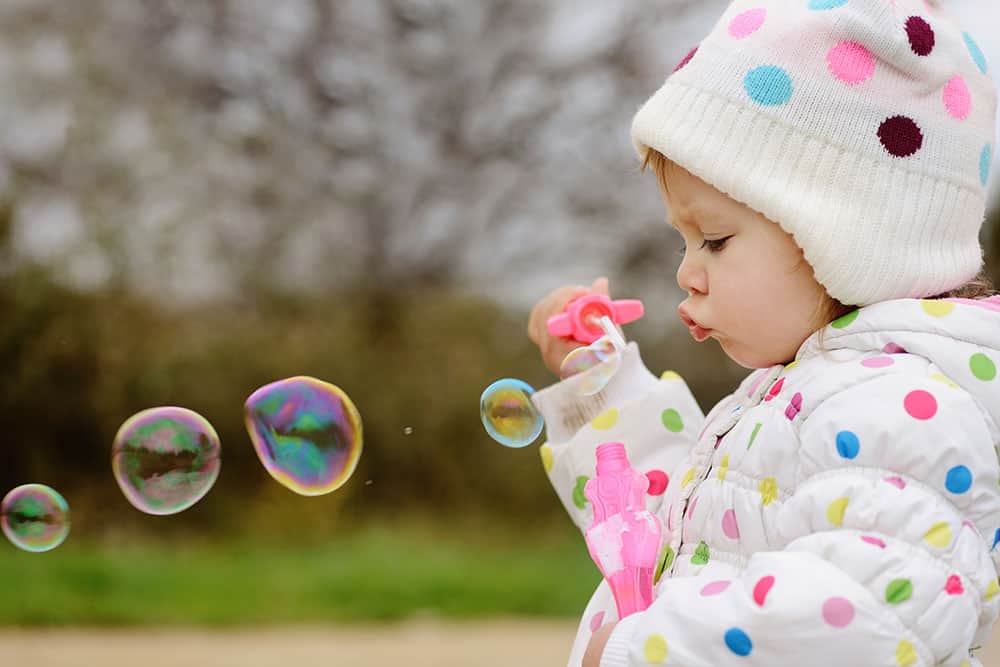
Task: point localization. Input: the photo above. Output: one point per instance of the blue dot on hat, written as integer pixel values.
(959, 479)
(985, 159)
(738, 642)
(975, 52)
(768, 85)
(996, 539)
(848, 444)
(826, 4)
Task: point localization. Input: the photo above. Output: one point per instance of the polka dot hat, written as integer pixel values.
(865, 128)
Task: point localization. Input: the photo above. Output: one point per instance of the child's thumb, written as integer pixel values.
(600, 286)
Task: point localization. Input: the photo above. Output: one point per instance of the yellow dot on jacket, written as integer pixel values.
(723, 468)
(768, 490)
(546, 453)
(835, 512)
(906, 655)
(790, 366)
(992, 590)
(945, 379)
(670, 375)
(605, 420)
(688, 477)
(936, 308)
(939, 535)
(655, 650)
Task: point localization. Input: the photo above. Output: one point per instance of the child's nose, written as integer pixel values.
(691, 276)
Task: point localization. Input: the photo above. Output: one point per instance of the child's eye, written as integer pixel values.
(714, 245)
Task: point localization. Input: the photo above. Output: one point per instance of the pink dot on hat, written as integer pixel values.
(850, 62)
(747, 23)
(956, 98)
(686, 59)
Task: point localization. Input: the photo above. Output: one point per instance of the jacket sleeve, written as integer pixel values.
(888, 542)
(658, 420)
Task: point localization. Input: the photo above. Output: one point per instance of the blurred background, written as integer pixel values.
(201, 197)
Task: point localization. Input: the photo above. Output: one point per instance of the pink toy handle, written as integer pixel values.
(580, 320)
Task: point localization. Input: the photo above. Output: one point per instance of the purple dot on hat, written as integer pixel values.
(893, 348)
(747, 23)
(686, 59)
(850, 62)
(768, 85)
(957, 99)
(874, 541)
(901, 136)
(838, 612)
(921, 35)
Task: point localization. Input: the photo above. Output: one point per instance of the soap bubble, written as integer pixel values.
(508, 413)
(35, 517)
(596, 364)
(165, 459)
(306, 432)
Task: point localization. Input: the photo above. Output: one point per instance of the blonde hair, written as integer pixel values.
(829, 309)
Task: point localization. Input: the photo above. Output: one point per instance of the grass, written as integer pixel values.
(379, 574)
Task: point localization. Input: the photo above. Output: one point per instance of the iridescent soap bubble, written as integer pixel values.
(306, 432)
(508, 413)
(596, 364)
(35, 517)
(165, 459)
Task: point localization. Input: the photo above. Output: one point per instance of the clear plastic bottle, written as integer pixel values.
(624, 537)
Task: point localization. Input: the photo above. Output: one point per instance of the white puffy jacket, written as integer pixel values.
(843, 510)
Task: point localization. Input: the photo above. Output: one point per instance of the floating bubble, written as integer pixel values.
(35, 517)
(508, 413)
(596, 363)
(165, 459)
(306, 432)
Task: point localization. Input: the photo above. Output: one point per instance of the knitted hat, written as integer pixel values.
(865, 128)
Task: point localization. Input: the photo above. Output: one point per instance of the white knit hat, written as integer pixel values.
(865, 128)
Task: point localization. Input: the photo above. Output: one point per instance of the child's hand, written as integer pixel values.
(595, 649)
(555, 348)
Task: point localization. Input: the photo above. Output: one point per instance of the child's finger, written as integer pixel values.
(600, 286)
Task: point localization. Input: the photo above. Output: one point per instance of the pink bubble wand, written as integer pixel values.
(624, 537)
(581, 319)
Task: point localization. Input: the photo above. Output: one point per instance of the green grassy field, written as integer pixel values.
(376, 575)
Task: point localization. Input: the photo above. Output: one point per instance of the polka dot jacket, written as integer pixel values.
(841, 510)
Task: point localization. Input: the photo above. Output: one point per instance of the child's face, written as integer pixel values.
(754, 290)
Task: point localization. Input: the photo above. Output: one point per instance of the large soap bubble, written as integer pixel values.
(306, 432)
(165, 459)
(508, 414)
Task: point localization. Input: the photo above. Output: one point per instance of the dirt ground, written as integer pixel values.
(515, 643)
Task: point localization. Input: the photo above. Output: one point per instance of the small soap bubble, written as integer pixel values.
(35, 517)
(596, 364)
(165, 459)
(306, 432)
(508, 414)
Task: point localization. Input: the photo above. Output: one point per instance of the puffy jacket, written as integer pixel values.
(843, 510)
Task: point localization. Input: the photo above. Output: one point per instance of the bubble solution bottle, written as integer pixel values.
(624, 538)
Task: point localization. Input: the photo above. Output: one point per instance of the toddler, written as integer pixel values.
(825, 162)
